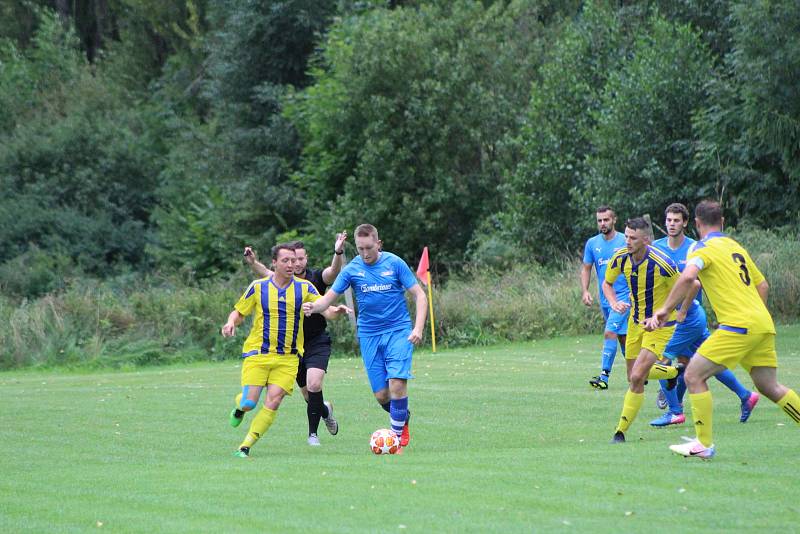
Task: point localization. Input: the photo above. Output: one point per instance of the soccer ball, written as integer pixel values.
(384, 441)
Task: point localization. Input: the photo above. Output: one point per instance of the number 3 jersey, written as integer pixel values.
(729, 277)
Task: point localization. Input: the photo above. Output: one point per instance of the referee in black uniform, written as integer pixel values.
(317, 342)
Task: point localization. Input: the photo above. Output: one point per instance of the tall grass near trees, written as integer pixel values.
(131, 321)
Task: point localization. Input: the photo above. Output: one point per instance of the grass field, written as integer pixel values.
(507, 438)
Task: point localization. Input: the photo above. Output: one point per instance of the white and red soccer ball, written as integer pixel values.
(384, 441)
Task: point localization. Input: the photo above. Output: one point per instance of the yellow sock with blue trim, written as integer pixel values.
(659, 371)
(790, 403)
(261, 423)
(702, 413)
(630, 408)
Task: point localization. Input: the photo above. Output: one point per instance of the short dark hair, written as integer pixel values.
(298, 245)
(677, 207)
(281, 246)
(638, 223)
(709, 212)
(366, 230)
(603, 208)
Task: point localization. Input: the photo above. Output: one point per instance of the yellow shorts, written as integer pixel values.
(731, 349)
(638, 339)
(265, 369)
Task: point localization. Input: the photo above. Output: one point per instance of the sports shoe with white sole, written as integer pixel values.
(330, 422)
(313, 440)
(667, 419)
(693, 449)
(661, 400)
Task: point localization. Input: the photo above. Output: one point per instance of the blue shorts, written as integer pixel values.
(387, 356)
(687, 338)
(615, 322)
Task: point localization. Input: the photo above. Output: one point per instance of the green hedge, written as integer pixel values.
(130, 321)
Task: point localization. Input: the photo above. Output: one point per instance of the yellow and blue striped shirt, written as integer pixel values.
(277, 316)
(650, 281)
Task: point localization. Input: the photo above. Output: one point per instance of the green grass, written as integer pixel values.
(504, 438)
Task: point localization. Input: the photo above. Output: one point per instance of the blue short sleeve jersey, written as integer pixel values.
(679, 255)
(380, 293)
(598, 251)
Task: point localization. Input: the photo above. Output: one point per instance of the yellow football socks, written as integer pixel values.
(790, 403)
(702, 410)
(261, 423)
(630, 408)
(660, 371)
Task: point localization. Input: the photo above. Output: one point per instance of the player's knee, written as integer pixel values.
(610, 335)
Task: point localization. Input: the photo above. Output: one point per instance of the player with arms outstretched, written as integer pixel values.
(317, 342)
(271, 352)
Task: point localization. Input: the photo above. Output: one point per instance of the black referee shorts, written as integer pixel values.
(316, 356)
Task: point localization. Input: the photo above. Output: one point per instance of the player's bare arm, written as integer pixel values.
(234, 319)
(611, 295)
(586, 276)
(680, 315)
(258, 268)
(685, 283)
(333, 312)
(322, 303)
(332, 271)
(422, 314)
(763, 291)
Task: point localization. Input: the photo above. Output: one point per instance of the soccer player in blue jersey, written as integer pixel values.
(692, 328)
(271, 351)
(385, 333)
(597, 253)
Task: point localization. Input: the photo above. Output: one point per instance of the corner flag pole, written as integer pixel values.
(430, 310)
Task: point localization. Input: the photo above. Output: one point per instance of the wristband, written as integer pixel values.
(338, 253)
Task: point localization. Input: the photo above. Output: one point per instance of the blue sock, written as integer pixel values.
(732, 383)
(398, 413)
(681, 388)
(672, 398)
(609, 352)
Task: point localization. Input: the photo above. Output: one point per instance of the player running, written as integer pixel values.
(271, 351)
(738, 294)
(317, 342)
(692, 327)
(597, 253)
(380, 280)
(650, 275)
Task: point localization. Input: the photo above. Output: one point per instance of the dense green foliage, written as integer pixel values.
(141, 139)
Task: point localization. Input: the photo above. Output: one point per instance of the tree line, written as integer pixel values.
(139, 136)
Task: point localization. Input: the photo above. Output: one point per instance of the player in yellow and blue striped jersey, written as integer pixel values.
(272, 349)
(650, 275)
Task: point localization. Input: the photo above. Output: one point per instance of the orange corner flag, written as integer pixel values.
(424, 267)
(424, 274)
